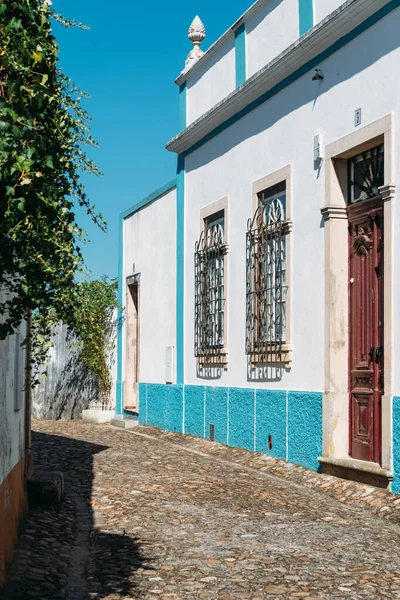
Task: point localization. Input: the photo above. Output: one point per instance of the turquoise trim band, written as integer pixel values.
(183, 105)
(240, 54)
(306, 16)
(180, 264)
(396, 444)
(119, 394)
(306, 68)
(150, 198)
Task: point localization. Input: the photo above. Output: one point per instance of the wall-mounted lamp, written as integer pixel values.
(318, 75)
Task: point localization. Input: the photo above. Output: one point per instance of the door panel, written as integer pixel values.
(365, 328)
(132, 348)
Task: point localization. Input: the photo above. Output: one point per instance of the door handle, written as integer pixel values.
(379, 354)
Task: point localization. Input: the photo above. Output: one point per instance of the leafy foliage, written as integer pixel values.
(94, 330)
(43, 129)
(96, 327)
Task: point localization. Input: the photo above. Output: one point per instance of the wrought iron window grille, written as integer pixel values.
(210, 251)
(266, 287)
(366, 174)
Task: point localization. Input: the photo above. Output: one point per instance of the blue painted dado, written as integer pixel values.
(241, 418)
(195, 410)
(396, 445)
(282, 424)
(304, 428)
(217, 406)
(271, 412)
(161, 406)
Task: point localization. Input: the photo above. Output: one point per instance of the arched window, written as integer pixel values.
(210, 291)
(266, 284)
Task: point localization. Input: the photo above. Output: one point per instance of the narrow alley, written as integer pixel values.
(154, 515)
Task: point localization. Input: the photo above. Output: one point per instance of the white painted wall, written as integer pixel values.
(322, 8)
(212, 80)
(150, 243)
(279, 133)
(11, 420)
(271, 26)
(271, 29)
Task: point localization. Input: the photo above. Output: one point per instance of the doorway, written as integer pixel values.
(359, 251)
(132, 348)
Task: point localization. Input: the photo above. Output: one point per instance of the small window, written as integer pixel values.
(266, 277)
(366, 174)
(210, 298)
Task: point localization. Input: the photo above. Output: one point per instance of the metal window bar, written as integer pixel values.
(266, 281)
(210, 294)
(366, 174)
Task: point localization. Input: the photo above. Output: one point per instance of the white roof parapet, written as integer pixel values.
(196, 34)
(335, 26)
(253, 8)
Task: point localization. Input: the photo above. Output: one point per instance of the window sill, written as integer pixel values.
(219, 360)
(262, 359)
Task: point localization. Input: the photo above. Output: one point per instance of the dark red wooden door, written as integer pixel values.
(365, 328)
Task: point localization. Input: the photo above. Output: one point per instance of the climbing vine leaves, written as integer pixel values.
(43, 134)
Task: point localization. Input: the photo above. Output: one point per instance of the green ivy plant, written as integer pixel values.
(94, 332)
(95, 329)
(43, 133)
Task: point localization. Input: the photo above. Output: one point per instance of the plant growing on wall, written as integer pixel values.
(96, 327)
(43, 131)
(93, 332)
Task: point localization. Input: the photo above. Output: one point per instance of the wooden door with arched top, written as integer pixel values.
(366, 327)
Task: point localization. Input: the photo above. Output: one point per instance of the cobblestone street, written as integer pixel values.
(155, 515)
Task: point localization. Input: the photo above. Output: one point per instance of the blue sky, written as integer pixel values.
(128, 62)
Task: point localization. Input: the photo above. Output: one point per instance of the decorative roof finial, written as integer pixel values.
(197, 34)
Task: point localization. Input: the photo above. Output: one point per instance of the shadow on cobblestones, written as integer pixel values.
(114, 561)
(156, 515)
(62, 554)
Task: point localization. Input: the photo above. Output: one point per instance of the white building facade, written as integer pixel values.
(260, 285)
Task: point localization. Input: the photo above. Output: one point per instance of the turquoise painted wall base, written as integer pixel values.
(396, 445)
(282, 424)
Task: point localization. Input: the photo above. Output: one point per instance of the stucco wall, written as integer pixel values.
(322, 8)
(12, 509)
(11, 420)
(282, 424)
(277, 134)
(271, 29)
(68, 387)
(12, 443)
(212, 80)
(150, 245)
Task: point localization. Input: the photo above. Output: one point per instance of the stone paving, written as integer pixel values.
(149, 514)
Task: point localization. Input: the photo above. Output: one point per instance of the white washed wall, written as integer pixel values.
(212, 80)
(11, 420)
(150, 243)
(68, 386)
(279, 133)
(322, 8)
(271, 29)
